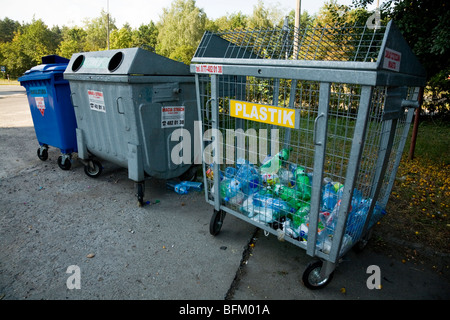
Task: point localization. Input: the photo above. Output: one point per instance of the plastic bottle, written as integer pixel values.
(301, 215)
(329, 198)
(229, 189)
(210, 173)
(272, 165)
(230, 172)
(192, 185)
(293, 197)
(184, 186)
(287, 177)
(302, 184)
(279, 207)
(247, 207)
(176, 186)
(249, 179)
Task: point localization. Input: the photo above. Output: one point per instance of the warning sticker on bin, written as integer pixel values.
(40, 104)
(96, 101)
(392, 59)
(172, 116)
(284, 117)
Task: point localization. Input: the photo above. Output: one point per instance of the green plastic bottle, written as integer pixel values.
(275, 163)
(301, 215)
(302, 184)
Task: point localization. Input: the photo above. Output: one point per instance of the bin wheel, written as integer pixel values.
(140, 187)
(216, 222)
(362, 243)
(42, 155)
(311, 276)
(93, 169)
(66, 165)
(190, 174)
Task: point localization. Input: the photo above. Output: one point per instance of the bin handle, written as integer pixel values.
(207, 110)
(117, 104)
(315, 129)
(71, 99)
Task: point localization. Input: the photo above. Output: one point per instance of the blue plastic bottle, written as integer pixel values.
(329, 197)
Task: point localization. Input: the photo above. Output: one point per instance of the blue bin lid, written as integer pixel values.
(50, 64)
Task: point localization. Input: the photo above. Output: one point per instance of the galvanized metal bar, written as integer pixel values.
(287, 135)
(215, 142)
(319, 160)
(352, 171)
(398, 158)
(202, 146)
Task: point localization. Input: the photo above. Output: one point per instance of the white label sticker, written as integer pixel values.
(392, 59)
(96, 101)
(172, 117)
(40, 104)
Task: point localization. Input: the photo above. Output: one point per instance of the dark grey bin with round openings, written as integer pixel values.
(131, 105)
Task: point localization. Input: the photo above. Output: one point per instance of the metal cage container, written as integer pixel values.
(303, 131)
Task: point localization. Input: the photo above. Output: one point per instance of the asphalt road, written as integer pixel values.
(53, 222)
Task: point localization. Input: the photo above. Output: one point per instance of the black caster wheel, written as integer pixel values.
(190, 174)
(66, 165)
(216, 222)
(140, 189)
(93, 169)
(43, 155)
(362, 243)
(311, 276)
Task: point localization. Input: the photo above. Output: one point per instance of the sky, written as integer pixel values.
(135, 12)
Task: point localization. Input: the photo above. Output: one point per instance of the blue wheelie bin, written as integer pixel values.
(51, 108)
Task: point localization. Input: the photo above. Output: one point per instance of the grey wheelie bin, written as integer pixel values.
(132, 108)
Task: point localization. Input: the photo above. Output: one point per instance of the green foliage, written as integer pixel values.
(73, 41)
(96, 29)
(426, 27)
(180, 29)
(30, 43)
(423, 23)
(7, 29)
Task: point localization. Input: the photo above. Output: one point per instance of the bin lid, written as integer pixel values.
(50, 64)
(129, 61)
(358, 49)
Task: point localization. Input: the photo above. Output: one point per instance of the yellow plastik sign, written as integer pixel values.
(265, 113)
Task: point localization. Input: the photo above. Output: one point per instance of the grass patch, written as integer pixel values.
(419, 205)
(12, 82)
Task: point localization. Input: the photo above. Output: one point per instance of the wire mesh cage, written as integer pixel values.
(333, 43)
(304, 130)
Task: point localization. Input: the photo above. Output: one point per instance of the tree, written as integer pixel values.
(122, 38)
(232, 21)
(180, 29)
(260, 18)
(425, 25)
(30, 43)
(73, 41)
(146, 36)
(96, 30)
(7, 29)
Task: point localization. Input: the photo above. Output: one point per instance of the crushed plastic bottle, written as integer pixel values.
(287, 177)
(184, 186)
(273, 164)
(249, 179)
